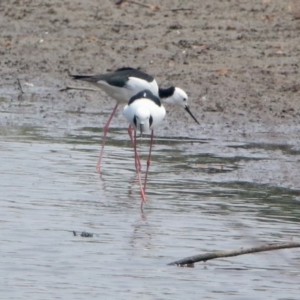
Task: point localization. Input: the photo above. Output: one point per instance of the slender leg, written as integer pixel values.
(148, 161)
(139, 177)
(106, 127)
(137, 158)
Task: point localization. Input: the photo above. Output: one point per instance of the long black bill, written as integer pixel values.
(141, 129)
(188, 110)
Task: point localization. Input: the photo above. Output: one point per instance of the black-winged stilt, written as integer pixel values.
(123, 84)
(144, 112)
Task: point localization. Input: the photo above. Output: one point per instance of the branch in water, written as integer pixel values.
(189, 261)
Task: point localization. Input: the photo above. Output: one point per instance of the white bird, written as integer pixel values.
(144, 112)
(123, 84)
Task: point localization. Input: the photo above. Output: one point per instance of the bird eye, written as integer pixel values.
(184, 99)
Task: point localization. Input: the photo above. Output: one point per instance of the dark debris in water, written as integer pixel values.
(83, 233)
(216, 168)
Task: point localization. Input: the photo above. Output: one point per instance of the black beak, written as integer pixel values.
(141, 129)
(188, 110)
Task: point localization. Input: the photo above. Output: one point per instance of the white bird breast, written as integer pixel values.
(158, 113)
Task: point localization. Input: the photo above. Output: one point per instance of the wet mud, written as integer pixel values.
(238, 60)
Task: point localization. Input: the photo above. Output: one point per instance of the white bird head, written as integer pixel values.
(175, 96)
(180, 98)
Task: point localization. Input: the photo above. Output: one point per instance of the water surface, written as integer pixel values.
(203, 195)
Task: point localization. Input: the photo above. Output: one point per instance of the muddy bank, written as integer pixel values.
(237, 60)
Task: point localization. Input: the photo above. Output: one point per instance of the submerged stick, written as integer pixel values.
(70, 87)
(189, 261)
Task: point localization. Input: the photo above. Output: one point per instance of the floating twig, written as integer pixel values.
(189, 261)
(70, 87)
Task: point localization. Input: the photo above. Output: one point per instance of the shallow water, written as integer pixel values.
(203, 195)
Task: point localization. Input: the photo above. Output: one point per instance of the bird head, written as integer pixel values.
(180, 98)
(142, 119)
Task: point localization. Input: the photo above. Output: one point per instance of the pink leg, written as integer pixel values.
(139, 177)
(148, 161)
(137, 158)
(106, 127)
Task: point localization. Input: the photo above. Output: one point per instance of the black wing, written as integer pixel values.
(118, 78)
